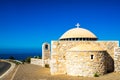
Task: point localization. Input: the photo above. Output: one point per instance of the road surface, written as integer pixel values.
(4, 66)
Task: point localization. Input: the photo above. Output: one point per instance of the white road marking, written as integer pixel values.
(14, 73)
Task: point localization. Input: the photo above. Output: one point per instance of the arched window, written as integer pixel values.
(91, 56)
(46, 47)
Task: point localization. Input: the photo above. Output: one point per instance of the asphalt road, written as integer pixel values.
(4, 66)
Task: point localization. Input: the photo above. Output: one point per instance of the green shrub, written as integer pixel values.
(39, 57)
(23, 61)
(46, 65)
(17, 63)
(28, 59)
(12, 58)
(35, 56)
(96, 75)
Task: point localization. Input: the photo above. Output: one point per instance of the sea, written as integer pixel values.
(19, 54)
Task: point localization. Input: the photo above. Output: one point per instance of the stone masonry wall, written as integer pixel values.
(81, 64)
(59, 50)
(109, 62)
(117, 59)
(40, 62)
(36, 61)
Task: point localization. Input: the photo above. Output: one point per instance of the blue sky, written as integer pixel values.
(29, 23)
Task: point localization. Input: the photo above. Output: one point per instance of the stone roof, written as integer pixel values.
(87, 47)
(78, 33)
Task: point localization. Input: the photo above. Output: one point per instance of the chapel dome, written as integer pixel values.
(78, 34)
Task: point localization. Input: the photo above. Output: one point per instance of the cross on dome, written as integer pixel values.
(77, 25)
